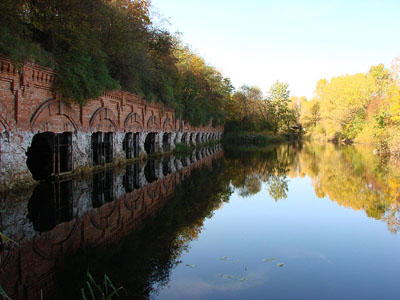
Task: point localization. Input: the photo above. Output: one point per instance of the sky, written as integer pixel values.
(257, 42)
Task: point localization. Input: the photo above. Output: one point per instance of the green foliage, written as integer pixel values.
(278, 103)
(20, 50)
(182, 148)
(84, 77)
(249, 111)
(252, 138)
(98, 45)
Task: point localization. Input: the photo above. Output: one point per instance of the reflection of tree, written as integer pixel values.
(249, 168)
(351, 176)
(251, 185)
(278, 187)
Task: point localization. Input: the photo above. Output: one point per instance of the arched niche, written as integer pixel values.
(153, 122)
(6, 120)
(55, 116)
(103, 120)
(133, 122)
(167, 125)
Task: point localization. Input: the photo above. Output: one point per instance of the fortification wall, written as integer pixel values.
(31, 106)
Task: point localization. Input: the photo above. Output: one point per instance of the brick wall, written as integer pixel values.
(29, 104)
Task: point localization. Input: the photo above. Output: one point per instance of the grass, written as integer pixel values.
(95, 291)
(105, 291)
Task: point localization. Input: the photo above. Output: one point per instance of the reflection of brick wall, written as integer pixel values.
(29, 269)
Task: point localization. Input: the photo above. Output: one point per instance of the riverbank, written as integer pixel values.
(256, 138)
(385, 145)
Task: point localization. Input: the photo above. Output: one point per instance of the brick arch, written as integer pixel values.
(133, 122)
(168, 184)
(178, 125)
(102, 218)
(167, 125)
(56, 116)
(152, 122)
(132, 200)
(103, 120)
(185, 126)
(6, 120)
(67, 235)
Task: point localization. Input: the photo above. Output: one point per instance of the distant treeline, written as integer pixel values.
(98, 45)
(364, 107)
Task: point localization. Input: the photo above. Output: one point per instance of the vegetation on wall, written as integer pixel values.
(99, 45)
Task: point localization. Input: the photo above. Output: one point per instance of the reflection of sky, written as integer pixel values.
(329, 252)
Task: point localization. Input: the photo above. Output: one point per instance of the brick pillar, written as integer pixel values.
(142, 178)
(178, 138)
(158, 147)
(159, 168)
(192, 140)
(178, 164)
(142, 139)
(118, 147)
(171, 140)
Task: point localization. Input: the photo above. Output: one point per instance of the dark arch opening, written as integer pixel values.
(150, 143)
(193, 157)
(131, 145)
(198, 155)
(165, 142)
(198, 138)
(102, 188)
(102, 147)
(49, 154)
(183, 138)
(51, 203)
(40, 159)
(166, 167)
(131, 178)
(150, 171)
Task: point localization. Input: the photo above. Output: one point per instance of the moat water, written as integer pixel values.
(296, 221)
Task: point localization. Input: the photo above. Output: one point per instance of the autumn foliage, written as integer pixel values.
(99, 45)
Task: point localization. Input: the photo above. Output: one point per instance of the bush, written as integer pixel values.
(182, 148)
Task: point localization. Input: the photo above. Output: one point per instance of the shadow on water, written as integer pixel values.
(63, 226)
(50, 204)
(102, 188)
(131, 179)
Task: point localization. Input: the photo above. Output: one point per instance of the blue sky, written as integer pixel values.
(258, 42)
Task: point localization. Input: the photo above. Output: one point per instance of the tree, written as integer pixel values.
(278, 106)
(243, 108)
(380, 78)
(310, 113)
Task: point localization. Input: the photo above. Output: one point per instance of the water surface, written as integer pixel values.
(301, 221)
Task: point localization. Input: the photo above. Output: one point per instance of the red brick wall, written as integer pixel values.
(28, 102)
